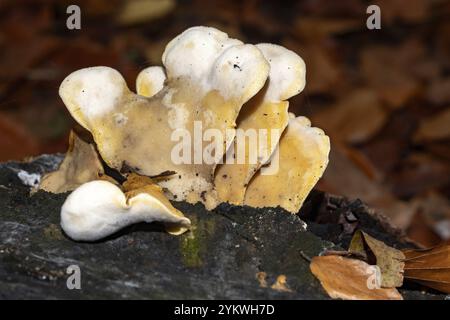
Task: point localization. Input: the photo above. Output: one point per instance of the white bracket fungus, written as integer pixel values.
(303, 157)
(207, 74)
(206, 78)
(267, 110)
(150, 81)
(99, 208)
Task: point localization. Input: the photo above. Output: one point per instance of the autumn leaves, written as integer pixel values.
(372, 270)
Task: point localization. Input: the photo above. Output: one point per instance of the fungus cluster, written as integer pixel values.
(207, 78)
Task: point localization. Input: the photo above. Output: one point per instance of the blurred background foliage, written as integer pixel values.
(383, 96)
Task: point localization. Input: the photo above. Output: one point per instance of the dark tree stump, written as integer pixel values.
(218, 259)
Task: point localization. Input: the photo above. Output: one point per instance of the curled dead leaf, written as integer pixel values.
(350, 279)
(81, 164)
(375, 252)
(137, 184)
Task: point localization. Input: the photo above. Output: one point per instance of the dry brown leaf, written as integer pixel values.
(136, 185)
(15, 140)
(440, 149)
(138, 11)
(95, 9)
(432, 258)
(418, 173)
(388, 259)
(390, 71)
(399, 212)
(429, 267)
(439, 91)
(434, 128)
(80, 165)
(281, 284)
(350, 279)
(394, 10)
(345, 177)
(154, 51)
(364, 163)
(397, 96)
(326, 8)
(29, 53)
(313, 28)
(252, 13)
(261, 277)
(420, 232)
(355, 118)
(435, 209)
(325, 73)
(392, 143)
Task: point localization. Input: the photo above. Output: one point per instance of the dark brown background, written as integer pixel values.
(383, 96)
